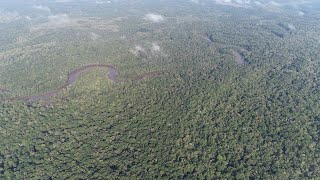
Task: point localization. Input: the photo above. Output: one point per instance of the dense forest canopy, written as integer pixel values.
(159, 89)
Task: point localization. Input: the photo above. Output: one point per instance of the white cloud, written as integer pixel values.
(243, 1)
(200, 2)
(155, 47)
(138, 50)
(258, 3)
(27, 17)
(235, 3)
(55, 21)
(93, 36)
(102, 2)
(223, 1)
(156, 18)
(270, 5)
(148, 50)
(59, 19)
(273, 3)
(301, 13)
(195, 1)
(8, 16)
(291, 26)
(43, 8)
(63, 1)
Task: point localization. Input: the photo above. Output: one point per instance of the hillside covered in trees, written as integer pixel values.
(150, 89)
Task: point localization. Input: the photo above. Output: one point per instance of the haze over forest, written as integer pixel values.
(159, 89)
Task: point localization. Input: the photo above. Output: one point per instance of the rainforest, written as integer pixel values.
(159, 89)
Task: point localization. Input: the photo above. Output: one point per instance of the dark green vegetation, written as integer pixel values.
(209, 117)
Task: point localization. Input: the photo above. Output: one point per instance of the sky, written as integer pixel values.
(10, 10)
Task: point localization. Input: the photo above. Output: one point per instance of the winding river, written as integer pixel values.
(239, 58)
(74, 75)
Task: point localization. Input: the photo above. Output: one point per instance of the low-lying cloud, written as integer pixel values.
(156, 18)
(301, 13)
(155, 48)
(200, 2)
(93, 36)
(270, 5)
(8, 16)
(235, 3)
(195, 1)
(148, 50)
(41, 7)
(138, 50)
(63, 1)
(261, 3)
(102, 2)
(59, 19)
(55, 21)
(274, 4)
(28, 18)
(291, 27)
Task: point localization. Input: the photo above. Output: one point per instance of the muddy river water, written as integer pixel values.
(74, 75)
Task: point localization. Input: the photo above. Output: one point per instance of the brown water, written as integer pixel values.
(74, 75)
(239, 58)
(3, 89)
